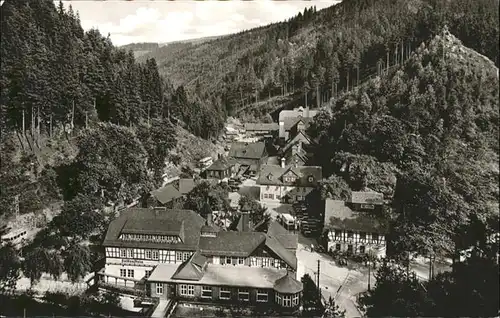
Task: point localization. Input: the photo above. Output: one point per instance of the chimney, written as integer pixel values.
(282, 129)
(159, 210)
(282, 162)
(299, 146)
(307, 112)
(210, 221)
(245, 221)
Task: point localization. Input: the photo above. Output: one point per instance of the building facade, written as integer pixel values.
(222, 168)
(288, 119)
(352, 231)
(134, 245)
(287, 184)
(177, 254)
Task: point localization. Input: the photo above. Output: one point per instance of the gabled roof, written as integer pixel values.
(191, 221)
(186, 185)
(239, 244)
(341, 217)
(300, 136)
(368, 197)
(274, 245)
(153, 226)
(191, 269)
(300, 111)
(261, 126)
(272, 175)
(166, 194)
(254, 150)
(221, 164)
(300, 157)
(289, 240)
(290, 123)
(288, 285)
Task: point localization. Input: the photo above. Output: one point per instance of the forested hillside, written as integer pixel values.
(59, 84)
(321, 53)
(54, 74)
(432, 126)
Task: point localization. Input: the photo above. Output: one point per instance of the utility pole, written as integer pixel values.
(369, 273)
(319, 289)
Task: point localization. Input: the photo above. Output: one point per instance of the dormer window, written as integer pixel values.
(310, 178)
(270, 176)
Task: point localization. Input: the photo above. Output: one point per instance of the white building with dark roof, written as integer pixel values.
(177, 254)
(287, 184)
(352, 231)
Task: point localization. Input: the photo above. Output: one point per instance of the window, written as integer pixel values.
(287, 300)
(367, 206)
(349, 234)
(241, 261)
(337, 247)
(266, 262)
(123, 272)
(123, 253)
(349, 248)
(155, 255)
(362, 249)
(310, 179)
(278, 197)
(130, 253)
(375, 237)
(148, 273)
(224, 293)
(295, 300)
(253, 261)
(179, 256)
(299, 198)
(362, 236)
(278, 299)
(228, 260)
(262, 295)
(159, 288)
(206, 292)
(187, 290)
(243, 295)
(338, 234)
(148, 254)
(185, 256)
(130, 273)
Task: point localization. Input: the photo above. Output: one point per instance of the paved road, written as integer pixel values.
(333, 277)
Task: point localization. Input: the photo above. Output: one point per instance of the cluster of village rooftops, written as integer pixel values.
(177, 254)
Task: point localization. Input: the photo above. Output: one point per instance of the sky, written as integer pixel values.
(167, 21)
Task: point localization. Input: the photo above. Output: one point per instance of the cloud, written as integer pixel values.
(167, 21)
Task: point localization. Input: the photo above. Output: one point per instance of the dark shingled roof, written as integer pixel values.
(300, 136)
(191, 269)
(341, 217)
(254, 150)
(288, 285)
(166, 194)
(192, 225)
(261, 126)
(289, 123)
(240, 244)
(221, 164)
(289, 240)
(153, 226)
(368, 197)
(272, 175)
(186, 185)
(274, 245)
